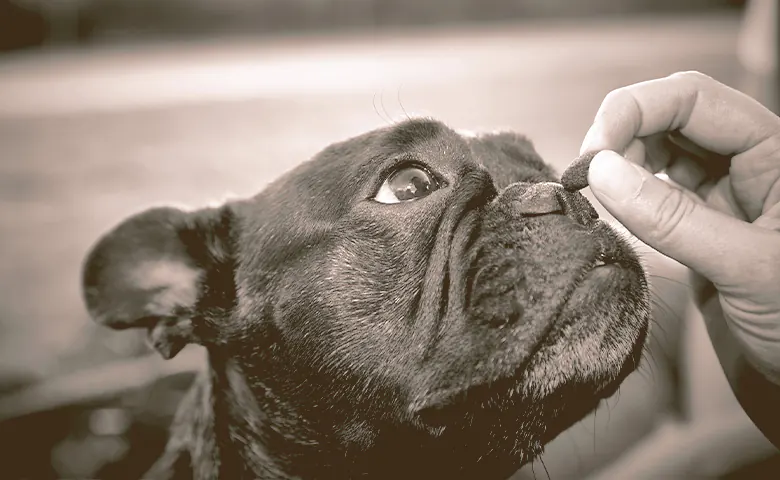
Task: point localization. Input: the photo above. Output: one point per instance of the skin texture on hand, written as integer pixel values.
(722, 221)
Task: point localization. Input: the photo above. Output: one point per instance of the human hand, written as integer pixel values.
(724, 223)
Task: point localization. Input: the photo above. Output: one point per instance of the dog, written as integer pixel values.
(410, 303)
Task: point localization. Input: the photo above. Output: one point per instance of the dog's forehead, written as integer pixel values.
(415, 132)
(426, 140)
(349, 165)
(502, 153)
(348, 168)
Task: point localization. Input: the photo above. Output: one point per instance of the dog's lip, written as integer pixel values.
(429, 409)
(439, 398)
(605, 260)
(606, 254)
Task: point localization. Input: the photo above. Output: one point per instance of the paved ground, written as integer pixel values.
(87, 139)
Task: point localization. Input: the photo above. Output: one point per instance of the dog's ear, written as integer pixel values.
(165, 270)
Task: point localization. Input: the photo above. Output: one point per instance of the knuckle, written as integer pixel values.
(620, 109)
(617, 96)
(669, 214)
(693, 76)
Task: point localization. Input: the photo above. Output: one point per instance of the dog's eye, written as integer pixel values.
(410, 183)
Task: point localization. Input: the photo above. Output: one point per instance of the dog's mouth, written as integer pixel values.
(514, 388)
(537, 379)
(511, 399)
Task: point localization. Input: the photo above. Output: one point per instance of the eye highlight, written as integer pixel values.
(406, 184)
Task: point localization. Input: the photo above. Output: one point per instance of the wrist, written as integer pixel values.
(759, 397)
(756, 391)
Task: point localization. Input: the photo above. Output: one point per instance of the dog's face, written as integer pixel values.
(410, 285)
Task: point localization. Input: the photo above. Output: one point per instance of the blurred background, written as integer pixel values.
(108, 107)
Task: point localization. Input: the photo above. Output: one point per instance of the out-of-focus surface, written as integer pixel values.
(91, 135)
(88, 22)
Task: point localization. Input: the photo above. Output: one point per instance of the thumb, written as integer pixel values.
(724, 249)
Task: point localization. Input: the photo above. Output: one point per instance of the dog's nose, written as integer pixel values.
(547, 198)
(529, 199)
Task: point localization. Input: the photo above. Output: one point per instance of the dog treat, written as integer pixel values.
(575, 177)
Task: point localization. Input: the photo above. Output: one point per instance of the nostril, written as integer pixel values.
(499, 310)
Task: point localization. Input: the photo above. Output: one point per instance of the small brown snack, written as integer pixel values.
(575, 177)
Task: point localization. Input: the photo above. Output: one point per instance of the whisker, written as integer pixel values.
(384, 109)
(400, 103)
(646, 372)
(545, 467)
(378, 113)
(658, 332)
(617, 398)
(661, 277)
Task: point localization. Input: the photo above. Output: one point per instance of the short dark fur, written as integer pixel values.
(448, 337)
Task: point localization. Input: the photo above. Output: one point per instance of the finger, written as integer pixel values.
(636, 152)
(714, 244)
(770, 220)
(695, 165)
(755, 177)
(653, 153)
(687, 173)
(683, 161)
(575, 176)
(650, 153)
(658, 155)
(688, 193)
(707, 112)
(720, 196)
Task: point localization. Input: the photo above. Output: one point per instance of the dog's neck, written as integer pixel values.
(220, 431)
(226, 429)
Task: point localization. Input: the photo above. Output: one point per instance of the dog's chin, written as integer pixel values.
(521, 405)
(566, 402)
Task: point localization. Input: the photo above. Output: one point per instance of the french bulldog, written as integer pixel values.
(410, 303)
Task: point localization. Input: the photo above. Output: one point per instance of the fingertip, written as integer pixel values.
(615, 177)
(598, 173)
(589, 143)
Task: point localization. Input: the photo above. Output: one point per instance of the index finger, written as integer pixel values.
(709, 113)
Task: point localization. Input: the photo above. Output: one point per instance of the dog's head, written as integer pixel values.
(409, 284)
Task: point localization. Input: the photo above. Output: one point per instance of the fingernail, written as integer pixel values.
(615, 177)
(587, 140)
(593, 140)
